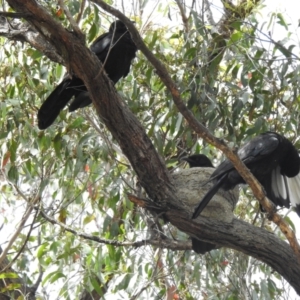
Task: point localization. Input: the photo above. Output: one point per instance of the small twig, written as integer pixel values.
(270, 40)
(145, 287)
(209, 13)
(109, 50)
(23, 246)
(35, 286)
(184, 18)
(79, 16)
(160, 243)
(19, 229)
(155, 276)
(70, 18)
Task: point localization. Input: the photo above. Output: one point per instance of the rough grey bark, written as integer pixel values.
(246, 238)
(17, 30)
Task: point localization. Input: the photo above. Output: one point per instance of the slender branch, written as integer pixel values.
(79, 16)
(35, 286)
(144, 288)
(23, 32)
(184, 18)
(70, 18)
(209, 13)
(23, 246)
(18, 230)
(160, 243)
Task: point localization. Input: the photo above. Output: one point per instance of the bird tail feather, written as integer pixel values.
(201, 247)
(82, 100)
(55, 102)
(208, 196)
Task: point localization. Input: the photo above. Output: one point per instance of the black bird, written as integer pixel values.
(198, 160)
(273, 160)
(115, 49)
(202, 161)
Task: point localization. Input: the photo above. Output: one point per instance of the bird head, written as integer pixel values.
(198, 160)
(118, 26)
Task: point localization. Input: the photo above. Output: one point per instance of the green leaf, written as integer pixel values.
(92, 32)
(8, 275)
(57, 276)
(42, 250)
(13, 174)
(282, 21)
(96, 286)
(88, 219)
(59, 71)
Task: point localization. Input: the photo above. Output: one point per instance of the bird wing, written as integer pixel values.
(81, 100)
(294, 191)
(282, 190)
(202, 247)
(276, 188)
(101, 43)
(253, 151)
(259, 147)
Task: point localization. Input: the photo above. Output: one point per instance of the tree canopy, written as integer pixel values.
(88, 206)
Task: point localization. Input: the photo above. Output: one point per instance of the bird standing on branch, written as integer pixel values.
(202, 161)
(115, 49)
(273, 160)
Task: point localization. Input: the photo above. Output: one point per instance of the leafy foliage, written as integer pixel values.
(237, 87)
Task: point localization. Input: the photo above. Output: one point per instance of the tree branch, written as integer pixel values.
(185, 19)
(79, 16)
(159, 243)
(209, 13)
(19, 229)
(19, 31)
(203, 132)
(22, 247)
(246, 238)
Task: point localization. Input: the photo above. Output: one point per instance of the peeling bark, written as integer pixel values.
(16, 30)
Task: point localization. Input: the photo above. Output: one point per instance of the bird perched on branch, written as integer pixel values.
(115, 49)
(198, 160)
(202, 161)
(273, 160)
